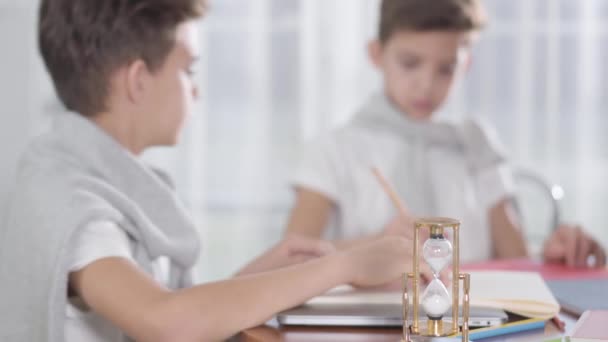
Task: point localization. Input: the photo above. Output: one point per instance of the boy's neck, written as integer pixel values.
(121, 128)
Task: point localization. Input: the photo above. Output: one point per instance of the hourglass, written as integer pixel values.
(438, 252)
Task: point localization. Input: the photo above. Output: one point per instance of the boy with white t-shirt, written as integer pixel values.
(439, 168)
(97, 247)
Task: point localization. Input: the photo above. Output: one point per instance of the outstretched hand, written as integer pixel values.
(572, 246)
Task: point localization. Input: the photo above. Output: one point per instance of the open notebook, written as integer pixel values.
(522, 293)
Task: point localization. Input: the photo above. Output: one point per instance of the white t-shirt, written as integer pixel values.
(434, 180)
(96, 241)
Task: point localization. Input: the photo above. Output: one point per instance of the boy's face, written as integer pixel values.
(171, 90)
(419, 68)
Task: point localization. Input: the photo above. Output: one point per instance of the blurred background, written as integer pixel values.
(275, 73)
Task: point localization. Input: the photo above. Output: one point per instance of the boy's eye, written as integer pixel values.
(192, 66)
(190, 71)
(447, 70)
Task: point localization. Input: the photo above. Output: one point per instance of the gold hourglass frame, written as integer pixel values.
(436, 328)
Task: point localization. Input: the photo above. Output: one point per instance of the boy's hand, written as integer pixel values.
(380, 261)
(572, 246)
(404, 227)
(292, 250)
(400, 226)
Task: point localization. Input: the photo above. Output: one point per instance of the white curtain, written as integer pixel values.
(276, 73)
(539, 78)
(281, 71)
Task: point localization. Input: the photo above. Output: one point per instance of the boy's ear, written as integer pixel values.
(136, 74)
(374, 51)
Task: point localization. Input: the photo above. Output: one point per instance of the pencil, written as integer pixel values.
(390, 191)
(559, 323)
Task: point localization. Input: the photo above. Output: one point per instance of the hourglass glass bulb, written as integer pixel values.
(437, 251)
(436, 299)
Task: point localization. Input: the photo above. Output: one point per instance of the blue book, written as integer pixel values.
(579, 295)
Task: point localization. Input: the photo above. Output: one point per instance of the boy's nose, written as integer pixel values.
(426, 82)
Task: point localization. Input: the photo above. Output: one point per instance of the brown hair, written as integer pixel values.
(429, 15)
(83, 41)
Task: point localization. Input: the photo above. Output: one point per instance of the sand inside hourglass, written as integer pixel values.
(436, 299)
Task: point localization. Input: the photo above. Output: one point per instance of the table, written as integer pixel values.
(272, 332)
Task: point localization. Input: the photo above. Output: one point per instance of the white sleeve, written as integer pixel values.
(494, 184)
(316, 170)
(98, 240)
(488, 158)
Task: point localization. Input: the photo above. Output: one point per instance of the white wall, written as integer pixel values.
(537, 75)
(19, 97)
(279, 71)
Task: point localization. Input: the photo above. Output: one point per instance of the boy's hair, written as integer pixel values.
(83, 41)
(429, 15)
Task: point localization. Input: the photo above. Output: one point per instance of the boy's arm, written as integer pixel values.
(290, 251)
(568, 244)
(507, 238)
(312, 211)
(116, 289)
(310, 214)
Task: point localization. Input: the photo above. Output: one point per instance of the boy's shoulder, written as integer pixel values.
(481, 142)
(48, 176)
(481, 132)
(347, 137)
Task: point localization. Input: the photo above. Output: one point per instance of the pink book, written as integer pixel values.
(547, 271)
(591, 327)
